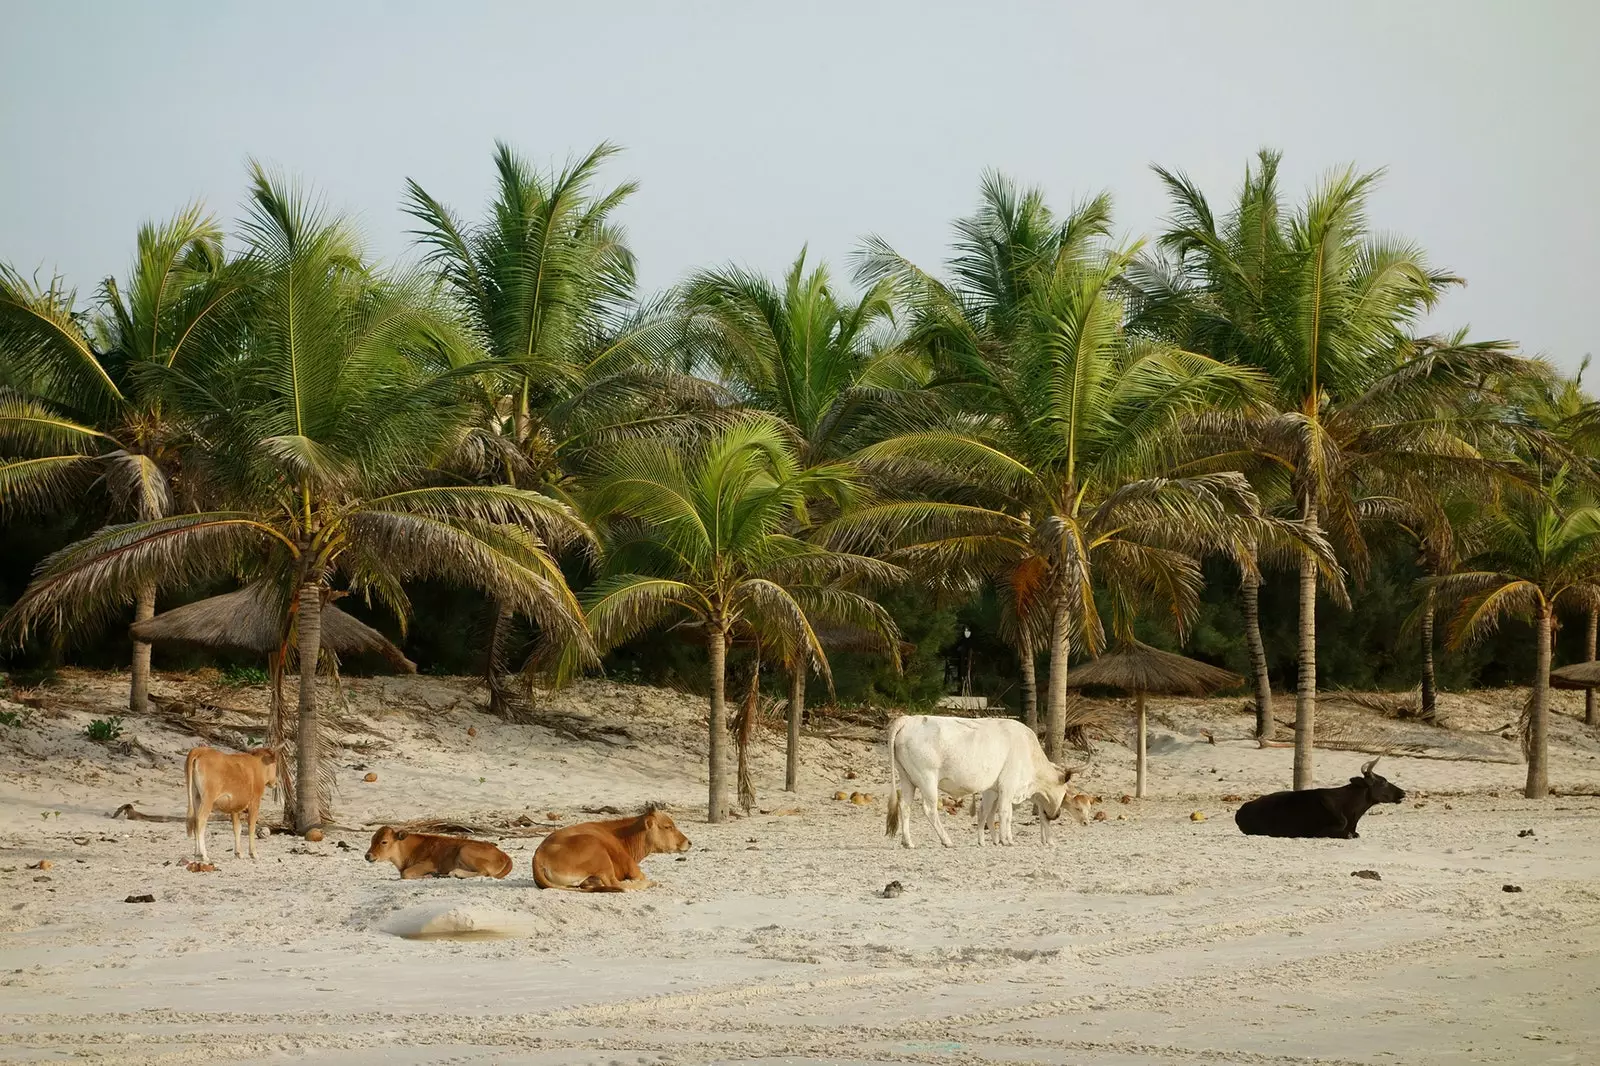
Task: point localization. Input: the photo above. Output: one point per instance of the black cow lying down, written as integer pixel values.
(1318, 812)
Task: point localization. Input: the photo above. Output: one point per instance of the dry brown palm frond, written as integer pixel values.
(1402, 705)
(1088, 721)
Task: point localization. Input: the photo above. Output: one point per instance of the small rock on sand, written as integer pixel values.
(370, 778)
(1511, 888)
(892, 889)
(313, 835)
(146, 898)
(42, 864)
(1198, 816)
(1370, 875)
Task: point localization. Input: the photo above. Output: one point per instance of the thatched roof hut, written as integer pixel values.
(1139, 668)
(1578, 676)
(253, 620)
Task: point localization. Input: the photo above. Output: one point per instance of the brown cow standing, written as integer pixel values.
(604, 856)
(230, 783)
(426, 855)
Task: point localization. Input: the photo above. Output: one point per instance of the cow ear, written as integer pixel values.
(401, 834)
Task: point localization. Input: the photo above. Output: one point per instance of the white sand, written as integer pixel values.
(1145, 938)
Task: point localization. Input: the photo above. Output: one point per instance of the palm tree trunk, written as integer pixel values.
(1139, 767)
(494, 667)
(144, 609)
(308, 732)
(1538, 769)
(717, 652)
(1056, 710)
(1305, 693)
(1429, 690)
(1251, 593)
(747, 727)
(1591, 716)
(1030, 678)
(278, 732)
(797, 708)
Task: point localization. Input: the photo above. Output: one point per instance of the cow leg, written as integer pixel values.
(418, 871)
(1044, 823)
(238, 850)
(1006, 836)
(930, 805)
(907, 792)
(254, 810)
(204, 815)
(980, 804)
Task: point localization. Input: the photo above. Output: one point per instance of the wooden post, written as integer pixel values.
(1139, 787)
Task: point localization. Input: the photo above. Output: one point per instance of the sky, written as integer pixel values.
(757, 128)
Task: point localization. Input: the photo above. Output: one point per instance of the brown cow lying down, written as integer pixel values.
(604, 856)
(230, 783)
(426, 855)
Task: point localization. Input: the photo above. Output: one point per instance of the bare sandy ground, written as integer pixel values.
(1143, 938)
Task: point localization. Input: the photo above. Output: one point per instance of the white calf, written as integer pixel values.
(998, 757)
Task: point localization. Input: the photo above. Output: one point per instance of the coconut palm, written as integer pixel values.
(701, 531)
(1325, 308)
(1053, 458)
(547, 280)
(1540, 551)
(816, 362)
(320, 429)
(78, 411)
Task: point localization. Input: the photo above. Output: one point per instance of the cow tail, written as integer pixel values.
(191, 786)
(892, 820)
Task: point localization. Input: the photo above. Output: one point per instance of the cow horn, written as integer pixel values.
(1367, 769)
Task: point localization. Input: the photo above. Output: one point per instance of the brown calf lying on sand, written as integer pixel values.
(426, 855)
(604, 856)
(229, 783)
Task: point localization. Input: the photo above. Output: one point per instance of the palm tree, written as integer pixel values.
(812, 360)
(1054, 453)
(701, 531)
(1540, 551)
(77, 409)
(1324, 308)
(547, 280)
(321, 420)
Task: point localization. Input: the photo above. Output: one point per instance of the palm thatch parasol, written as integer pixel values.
(1578, 676)
(1139, 668)
(254, 620)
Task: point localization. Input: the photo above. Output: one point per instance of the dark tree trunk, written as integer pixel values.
(501, 698)
(1030, 678)
(747, 728)
(144, 609)
(1056, 711)
(797, 710)
(1251, 593)
(717, 652)
(1430, 697)
(1538, 709)
(1590, 714)
(1305, 695)
(308, 731)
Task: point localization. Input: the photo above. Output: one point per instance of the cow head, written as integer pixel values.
(269, 762)
(383, 844)
(1052, 798)
(661, 833)
(1380, 789)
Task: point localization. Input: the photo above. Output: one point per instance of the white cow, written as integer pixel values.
(999, 757)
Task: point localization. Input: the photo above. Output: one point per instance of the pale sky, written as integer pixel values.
(755, 128)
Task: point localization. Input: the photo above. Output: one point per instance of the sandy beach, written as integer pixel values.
(1145, 937)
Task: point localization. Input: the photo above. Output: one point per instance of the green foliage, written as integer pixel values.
(103, 730)
(241, 675)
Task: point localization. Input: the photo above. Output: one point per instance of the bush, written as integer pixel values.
(12, 718)
(104, 729)
(239, 676)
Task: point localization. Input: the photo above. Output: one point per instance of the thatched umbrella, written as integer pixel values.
(1578, 676)
(254, 620)
(1139, 668)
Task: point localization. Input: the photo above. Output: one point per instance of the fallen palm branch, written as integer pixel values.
(522, 826)
(127, 811)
